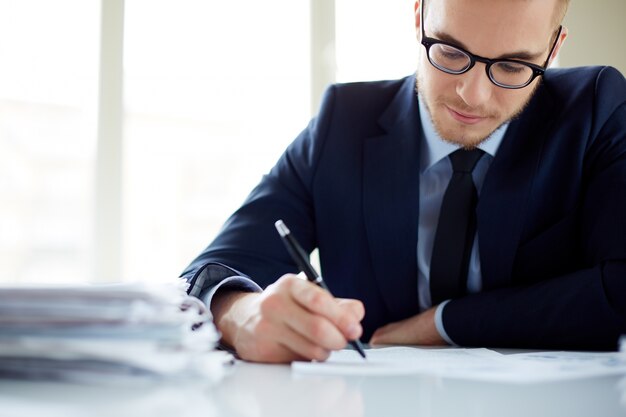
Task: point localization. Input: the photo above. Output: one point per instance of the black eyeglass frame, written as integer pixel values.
(537, 70)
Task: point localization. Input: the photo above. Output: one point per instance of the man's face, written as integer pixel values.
(467, 108)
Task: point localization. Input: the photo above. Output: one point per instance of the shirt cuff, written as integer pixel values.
(439, 323)
(234, 282)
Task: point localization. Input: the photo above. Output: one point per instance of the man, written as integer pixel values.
(374, 182)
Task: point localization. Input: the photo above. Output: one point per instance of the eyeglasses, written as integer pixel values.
(505, 73)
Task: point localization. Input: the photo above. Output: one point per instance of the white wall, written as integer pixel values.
(597, 34)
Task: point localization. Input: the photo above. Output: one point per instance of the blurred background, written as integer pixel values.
(130, 130)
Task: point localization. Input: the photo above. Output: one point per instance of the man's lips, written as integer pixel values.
(466, 118)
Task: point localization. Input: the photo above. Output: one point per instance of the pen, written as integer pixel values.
(301, 259)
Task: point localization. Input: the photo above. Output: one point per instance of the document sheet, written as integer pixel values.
(472, 364)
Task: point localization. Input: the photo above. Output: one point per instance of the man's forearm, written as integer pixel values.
(580, 310)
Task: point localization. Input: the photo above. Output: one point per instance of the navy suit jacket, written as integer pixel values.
(551, 214)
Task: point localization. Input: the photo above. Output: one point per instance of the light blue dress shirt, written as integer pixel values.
(435, 173)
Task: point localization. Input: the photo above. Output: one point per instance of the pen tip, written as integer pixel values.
(358, 346)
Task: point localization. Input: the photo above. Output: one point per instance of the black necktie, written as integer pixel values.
(456, 230)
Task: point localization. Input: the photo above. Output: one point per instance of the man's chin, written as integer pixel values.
(466, 143)
(467, 138)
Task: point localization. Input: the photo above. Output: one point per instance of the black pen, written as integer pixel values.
(301, 259)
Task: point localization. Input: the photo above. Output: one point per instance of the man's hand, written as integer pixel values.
(292, 319)
(416, 330)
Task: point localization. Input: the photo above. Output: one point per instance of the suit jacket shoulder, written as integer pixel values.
(586, 91)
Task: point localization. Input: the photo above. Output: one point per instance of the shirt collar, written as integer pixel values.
(433, 148)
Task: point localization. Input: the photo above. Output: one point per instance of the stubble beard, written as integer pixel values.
(467, 141)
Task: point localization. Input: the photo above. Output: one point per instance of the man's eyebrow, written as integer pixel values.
(519, 55)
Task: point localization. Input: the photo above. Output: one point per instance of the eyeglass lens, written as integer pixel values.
(455, 61)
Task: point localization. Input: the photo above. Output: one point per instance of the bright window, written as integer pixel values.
(48, 80)
(213, 93)
(375, 40)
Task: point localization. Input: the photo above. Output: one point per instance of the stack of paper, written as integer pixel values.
(105, 332)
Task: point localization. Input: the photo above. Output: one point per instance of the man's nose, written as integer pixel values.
(474, 87)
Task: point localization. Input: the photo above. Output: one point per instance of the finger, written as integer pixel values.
(318, 330)
(321, 302)
(280, 309)
(259, 342)
(355, 306)
(302, 348)
(271, 342)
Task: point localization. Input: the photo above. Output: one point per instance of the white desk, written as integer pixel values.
(254, 390)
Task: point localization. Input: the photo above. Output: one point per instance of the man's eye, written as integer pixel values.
(450, 53)
(511, 68)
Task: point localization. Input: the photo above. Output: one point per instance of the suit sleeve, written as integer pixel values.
(248, 244)
(584, 309)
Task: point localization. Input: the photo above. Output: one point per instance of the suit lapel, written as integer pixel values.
(391, 197)
(391, 202)
(504, 196)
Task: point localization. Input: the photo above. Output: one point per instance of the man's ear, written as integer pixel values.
(559, 43)
(416, 9)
